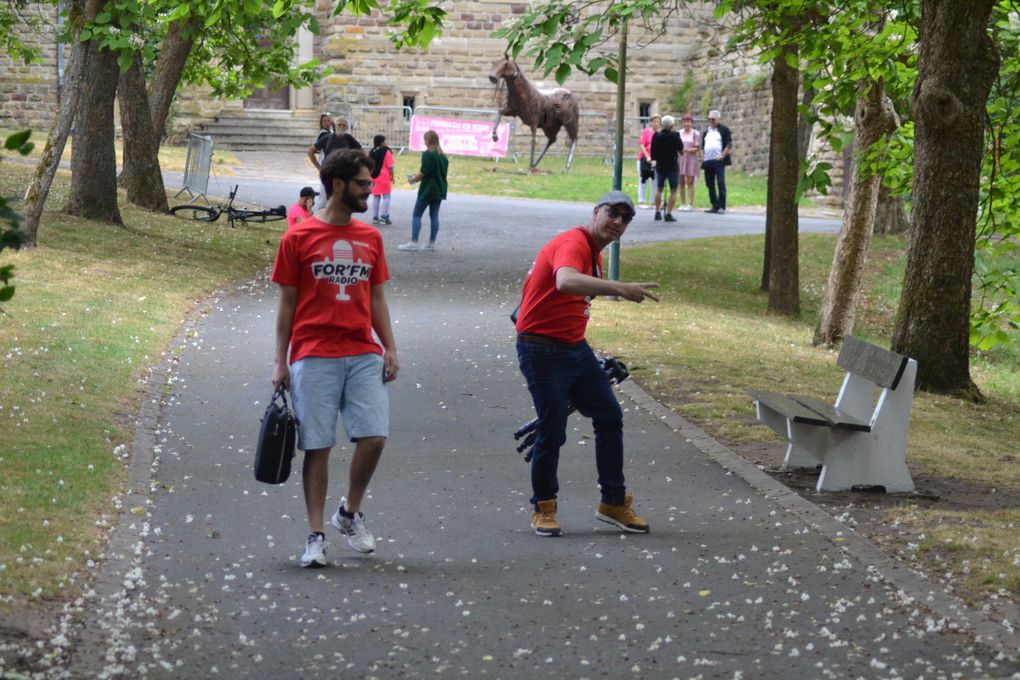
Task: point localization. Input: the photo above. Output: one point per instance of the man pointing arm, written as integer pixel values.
(560, 367)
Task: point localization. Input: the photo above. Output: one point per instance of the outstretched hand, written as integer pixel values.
(637, 292)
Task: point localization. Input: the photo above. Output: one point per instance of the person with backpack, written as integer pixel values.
(382, 179)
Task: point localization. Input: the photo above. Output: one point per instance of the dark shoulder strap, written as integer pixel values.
(595, 271)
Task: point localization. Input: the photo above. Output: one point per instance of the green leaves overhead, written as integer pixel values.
(10, 237)
(564, 36)
(15, 25)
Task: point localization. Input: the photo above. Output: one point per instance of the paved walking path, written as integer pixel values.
(736, 580)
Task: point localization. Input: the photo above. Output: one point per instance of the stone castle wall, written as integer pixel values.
(29, 93)
(453, 72)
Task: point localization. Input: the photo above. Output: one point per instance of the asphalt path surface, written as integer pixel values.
(728, 584)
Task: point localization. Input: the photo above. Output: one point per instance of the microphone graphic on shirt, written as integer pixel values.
(341, 270)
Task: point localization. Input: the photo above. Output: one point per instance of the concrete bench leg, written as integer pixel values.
(797, 457)
(780, 424)
(885, 458)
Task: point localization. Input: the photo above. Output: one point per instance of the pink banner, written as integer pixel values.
(461, 137)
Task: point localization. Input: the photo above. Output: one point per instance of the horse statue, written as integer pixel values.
(549, 110)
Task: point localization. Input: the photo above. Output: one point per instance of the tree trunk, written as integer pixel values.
(891, 214)
(769, 191)
(93, 159)
(805, 127)
(875, 119)
(78, 12)
(141, 176)
(784, 276)
(166, 76)
(957, 64)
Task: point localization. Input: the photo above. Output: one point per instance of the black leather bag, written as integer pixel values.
(277, 441)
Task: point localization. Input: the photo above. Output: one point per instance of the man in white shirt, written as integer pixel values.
(716, 142)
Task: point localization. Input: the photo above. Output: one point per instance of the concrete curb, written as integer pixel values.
(104, 628)
(913, 586)
(112, 590)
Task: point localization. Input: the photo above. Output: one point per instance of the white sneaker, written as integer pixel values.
(410, 245)
(429, 247)
(315, 552)
(359, 538)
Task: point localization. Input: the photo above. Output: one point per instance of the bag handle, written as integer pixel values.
(282, 394)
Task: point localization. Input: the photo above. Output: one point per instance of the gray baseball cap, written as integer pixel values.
(616, 198)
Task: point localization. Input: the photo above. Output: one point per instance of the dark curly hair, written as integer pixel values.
(342, 164)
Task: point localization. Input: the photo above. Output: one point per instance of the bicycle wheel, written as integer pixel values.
(196, 212)
(259, 216)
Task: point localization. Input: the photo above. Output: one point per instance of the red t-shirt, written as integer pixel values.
(296, 213)
(545, 310)
(334, 269)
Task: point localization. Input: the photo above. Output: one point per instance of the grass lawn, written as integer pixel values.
(96, 305)
(588, 179)
(709, 340)
(171, 158)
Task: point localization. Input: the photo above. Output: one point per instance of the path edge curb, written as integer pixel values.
(999, 637)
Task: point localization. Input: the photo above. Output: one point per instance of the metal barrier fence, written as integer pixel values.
(196, 167)
(392, 121)
(594, 134)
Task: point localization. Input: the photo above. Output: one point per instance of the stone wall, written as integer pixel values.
(453, 72)
(29, 93)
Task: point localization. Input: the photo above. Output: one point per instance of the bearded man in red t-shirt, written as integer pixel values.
(560, 367)
(331, 270)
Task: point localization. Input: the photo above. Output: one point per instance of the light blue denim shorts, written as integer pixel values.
(353, 386)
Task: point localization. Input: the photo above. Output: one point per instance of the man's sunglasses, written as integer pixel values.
(615, 212)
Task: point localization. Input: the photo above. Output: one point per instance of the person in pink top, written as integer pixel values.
(303, 208)
(382, 179)
(646, 173)
(690, 161)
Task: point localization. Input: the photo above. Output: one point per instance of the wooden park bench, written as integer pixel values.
(862, 439)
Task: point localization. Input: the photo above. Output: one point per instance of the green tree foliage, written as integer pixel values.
(996, 307)
(15, 17)
(10, 237)
(241, 44)
(563, 36)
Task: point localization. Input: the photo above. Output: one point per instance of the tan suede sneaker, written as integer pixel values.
(622, 516)
(543, 519)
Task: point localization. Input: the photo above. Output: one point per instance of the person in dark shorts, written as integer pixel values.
(666, 149)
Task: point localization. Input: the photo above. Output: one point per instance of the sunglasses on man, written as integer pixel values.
(613, 212)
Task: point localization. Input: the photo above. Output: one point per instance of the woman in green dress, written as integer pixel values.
(431, 180)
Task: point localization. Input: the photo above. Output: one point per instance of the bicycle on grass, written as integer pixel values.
(205, 213)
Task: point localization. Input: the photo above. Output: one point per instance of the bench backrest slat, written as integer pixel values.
(880, 366)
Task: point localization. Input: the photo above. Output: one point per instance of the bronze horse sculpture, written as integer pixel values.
(547, 110)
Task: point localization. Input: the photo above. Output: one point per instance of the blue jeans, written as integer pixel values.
(715, 173)
(556, 375)
(419, 210)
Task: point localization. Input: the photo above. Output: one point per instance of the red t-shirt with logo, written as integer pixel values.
(545, 310)
(334, 269)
